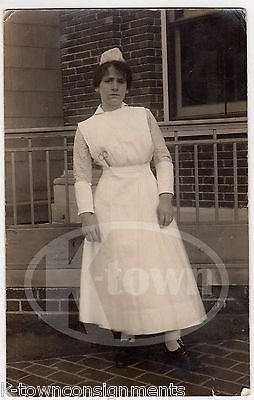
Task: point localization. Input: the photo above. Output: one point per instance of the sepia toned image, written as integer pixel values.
(126, 202)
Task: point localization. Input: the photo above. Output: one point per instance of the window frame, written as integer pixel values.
(217, 110)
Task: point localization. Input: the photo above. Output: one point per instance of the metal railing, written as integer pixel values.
(23, 148)
(196, 144)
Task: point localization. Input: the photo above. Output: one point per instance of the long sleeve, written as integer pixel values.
(82, 172)
(161, 157)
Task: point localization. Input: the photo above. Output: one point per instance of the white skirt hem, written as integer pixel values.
(150, 332)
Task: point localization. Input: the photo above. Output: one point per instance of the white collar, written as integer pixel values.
(99, 109)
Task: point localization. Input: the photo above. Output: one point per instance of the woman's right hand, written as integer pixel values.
(90, 227)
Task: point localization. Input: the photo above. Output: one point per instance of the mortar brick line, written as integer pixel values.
(209, 377)
(230, 355)
(74, 375)
(226, 369)
(203, 353)
(143, 372)
(137, 379)
(149, 371)
(223, 380)
(132, 366)
(224, 347)
(41, 300)
(103, 358)
(43, 359)
(236, 365)
(21, 371)
(75, 363)
(115, 373)
(212, 365)
(13, 363)
(94, 355)
(241, 377)
(87, 367)
(176, 381)
(10, 364)
(226, 356)
(19, 299)
(84, 379)
(30, 373)
(210, 387)
(67, 372)
(215, 347)
(42, 376)
(28, 366)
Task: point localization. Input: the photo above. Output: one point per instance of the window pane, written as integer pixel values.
(201, 62)
(213, 59)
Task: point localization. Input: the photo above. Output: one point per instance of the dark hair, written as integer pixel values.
(119, 65)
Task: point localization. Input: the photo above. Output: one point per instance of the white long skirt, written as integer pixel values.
(138, 279)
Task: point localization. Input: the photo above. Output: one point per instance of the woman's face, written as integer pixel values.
(112, 89)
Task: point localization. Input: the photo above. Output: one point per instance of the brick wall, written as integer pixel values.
(206, 175)
(50, 300)
(33, 337)
(57, 301)
(86, 34)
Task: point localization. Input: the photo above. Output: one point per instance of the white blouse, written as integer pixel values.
(82, 158)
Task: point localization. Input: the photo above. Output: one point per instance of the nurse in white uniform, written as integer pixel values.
(136, 277)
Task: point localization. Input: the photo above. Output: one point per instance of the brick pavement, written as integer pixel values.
(225, 372)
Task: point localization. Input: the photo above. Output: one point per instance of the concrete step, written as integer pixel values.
(62, 276)
(207, 246)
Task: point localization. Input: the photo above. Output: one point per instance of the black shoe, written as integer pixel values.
(124, 357)
(181, 358)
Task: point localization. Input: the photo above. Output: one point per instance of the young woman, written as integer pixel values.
(136, 277)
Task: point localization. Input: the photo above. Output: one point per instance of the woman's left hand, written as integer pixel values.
(165, 212)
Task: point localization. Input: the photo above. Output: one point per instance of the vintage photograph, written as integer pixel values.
(126, 202)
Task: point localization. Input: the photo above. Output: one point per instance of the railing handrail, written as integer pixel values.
(183, 128)
(70, 134)
(39, 134)
(173, 142)
(210, 121)
(27, 143)
(41, 129)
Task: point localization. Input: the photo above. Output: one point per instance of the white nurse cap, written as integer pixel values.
(114, 54)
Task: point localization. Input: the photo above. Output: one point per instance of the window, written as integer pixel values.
(207, 65)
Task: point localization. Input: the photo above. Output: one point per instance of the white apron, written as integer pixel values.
(138, 279)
